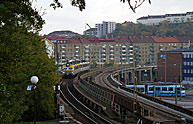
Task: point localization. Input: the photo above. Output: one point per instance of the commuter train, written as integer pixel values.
(159, 90)
(72, 68)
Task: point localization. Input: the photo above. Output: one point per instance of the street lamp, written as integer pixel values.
(34, 80)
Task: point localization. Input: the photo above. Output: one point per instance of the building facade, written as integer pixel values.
(117, 50)
(171, 18)
(91, 31)
(105, 28)
(176, 65)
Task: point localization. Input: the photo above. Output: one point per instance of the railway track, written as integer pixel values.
(160, 110)
(90, 117)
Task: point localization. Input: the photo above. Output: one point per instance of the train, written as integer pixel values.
(72, 68)
(159, 90)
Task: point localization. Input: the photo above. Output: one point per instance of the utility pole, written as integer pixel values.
(165, 66)
(176, 94)
(180, 83)
(135, 82)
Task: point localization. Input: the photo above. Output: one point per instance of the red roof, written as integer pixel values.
(165, 39)
(141, 39)
(122, 40)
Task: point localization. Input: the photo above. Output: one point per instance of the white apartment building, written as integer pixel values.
(105, 28)
(171, 18)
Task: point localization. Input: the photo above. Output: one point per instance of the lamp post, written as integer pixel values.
(34, 80)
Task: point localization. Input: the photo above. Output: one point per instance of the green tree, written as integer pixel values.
(22, 55)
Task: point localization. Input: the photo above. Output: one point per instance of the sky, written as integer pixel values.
(97, 11)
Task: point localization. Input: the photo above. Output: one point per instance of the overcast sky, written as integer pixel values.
(70, 18)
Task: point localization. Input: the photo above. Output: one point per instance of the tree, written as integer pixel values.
(133, 4)
(22, 55)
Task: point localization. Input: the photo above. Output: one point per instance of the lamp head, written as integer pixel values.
(34, 79)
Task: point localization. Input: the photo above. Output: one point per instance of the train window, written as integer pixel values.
(70, 67)
(164, 88)
(157, 88)
(141, 89)
(150, 88)
(170, 88)
(65, 67)
(178, 88)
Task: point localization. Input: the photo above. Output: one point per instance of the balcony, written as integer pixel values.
(123, 50)
(63, 51)
(86, 51)
(63, 47)
(111, 50)
(130, 50)
(111, 46)
(86, 54)
(86, 46)
(103, 51)
(130, 46)
(123, 46)
(77, 47)
(103, 46)
(103, 54)
(123, 54)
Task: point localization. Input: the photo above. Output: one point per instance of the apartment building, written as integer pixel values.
(91, 31)
(105, 28)
(117, 50)
(171, 18)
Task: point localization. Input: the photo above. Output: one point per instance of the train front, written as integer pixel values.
(68, 70)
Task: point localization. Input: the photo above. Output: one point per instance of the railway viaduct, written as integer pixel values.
(105, 95)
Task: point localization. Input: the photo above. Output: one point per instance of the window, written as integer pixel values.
(150, 88)
(164, 88)
(185, 63)
(157, 88)
(170, 88)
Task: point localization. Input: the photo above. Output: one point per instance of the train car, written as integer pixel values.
(159, 90)
(165, 90)
(72, 68)
(140, 88)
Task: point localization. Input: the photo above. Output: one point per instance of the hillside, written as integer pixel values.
(165, 29)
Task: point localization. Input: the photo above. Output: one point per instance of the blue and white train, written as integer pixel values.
(159, 90)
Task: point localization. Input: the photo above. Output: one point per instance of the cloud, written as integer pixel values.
(70, 18)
